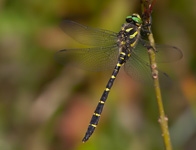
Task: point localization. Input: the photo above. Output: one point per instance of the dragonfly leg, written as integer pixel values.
(146, 25)
(146, 30)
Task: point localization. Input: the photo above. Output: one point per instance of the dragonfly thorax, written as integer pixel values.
(128, 37)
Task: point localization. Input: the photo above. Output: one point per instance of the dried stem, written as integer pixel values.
(146, 9)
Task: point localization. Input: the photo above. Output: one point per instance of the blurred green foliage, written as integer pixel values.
(46, 106)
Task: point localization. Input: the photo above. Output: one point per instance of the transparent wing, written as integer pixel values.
(92, 59)
(164, 53)
(88, 35)
(140, 70)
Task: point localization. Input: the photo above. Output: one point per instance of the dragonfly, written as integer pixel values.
(111, 50)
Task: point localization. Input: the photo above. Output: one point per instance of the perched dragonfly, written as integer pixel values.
(111, 51)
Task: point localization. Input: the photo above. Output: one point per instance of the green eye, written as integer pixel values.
(136, 19)
(128, 17)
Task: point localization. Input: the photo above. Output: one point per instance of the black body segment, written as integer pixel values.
(97, 113)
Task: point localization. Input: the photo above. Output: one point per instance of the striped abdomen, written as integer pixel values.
(97, 113)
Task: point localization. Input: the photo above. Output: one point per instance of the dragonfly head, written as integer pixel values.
(135, 19)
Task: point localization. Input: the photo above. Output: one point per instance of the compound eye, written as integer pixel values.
(136, 18)
(129, 19)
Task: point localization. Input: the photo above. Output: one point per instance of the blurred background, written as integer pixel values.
(47, 106)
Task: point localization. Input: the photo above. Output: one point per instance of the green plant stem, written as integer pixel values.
(163, 119)
(146, 7)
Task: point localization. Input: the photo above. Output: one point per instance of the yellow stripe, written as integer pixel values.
(118, 64)
(115, 69)
(96, 114)
(123, 43)
(102, 102)
(122, 53)
(129, 54)
(133, 35)
(107, 89)
(129, 29)
(133, 44)
(113, 77)
(93, 125)
(122, 58)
